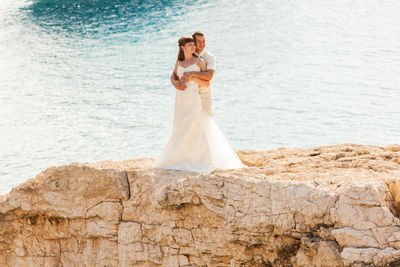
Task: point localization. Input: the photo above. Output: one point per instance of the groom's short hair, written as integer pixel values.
(197, 33)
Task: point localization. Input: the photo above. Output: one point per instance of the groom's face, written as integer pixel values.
(200, 43)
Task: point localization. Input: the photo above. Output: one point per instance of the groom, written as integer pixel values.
(209, 59)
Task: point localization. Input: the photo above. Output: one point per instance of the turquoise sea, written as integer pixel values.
(88, 80)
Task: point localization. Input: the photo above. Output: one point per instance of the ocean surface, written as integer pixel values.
(88, 80)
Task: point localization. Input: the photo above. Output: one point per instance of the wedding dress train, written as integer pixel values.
(196, 143)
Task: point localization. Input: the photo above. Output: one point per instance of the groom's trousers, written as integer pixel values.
(206, 102)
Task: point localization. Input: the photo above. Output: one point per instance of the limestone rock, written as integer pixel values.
(324, 206)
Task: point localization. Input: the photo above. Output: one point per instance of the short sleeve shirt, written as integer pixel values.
(209, 59)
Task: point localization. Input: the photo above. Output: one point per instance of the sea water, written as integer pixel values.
(88, 80)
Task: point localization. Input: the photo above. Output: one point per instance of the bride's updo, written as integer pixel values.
(181, 42)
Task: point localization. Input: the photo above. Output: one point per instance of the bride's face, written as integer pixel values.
(189, 48)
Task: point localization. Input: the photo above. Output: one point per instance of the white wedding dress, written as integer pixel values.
(196, 143)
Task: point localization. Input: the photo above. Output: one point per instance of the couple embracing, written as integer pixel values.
(196, 143)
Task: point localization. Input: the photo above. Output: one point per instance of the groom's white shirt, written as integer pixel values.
(209, 59)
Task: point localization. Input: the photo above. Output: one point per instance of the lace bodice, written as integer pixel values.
(180, 70)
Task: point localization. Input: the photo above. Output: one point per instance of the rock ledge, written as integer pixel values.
(324, 206)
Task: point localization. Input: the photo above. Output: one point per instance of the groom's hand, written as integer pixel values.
(179, 85)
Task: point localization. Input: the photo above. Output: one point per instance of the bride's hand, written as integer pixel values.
(187, 77)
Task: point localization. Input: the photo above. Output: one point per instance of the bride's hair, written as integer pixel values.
(181, 42)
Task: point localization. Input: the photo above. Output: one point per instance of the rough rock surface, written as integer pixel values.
(324, 206)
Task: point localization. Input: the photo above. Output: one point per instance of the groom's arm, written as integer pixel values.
(200, 82)
(204, 75)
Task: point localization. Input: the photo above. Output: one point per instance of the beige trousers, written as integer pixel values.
(206, 102)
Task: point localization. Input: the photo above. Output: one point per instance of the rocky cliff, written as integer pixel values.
(323, 206)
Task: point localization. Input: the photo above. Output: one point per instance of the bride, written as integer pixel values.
(196, 143)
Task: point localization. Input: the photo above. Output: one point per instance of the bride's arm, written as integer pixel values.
(179, 85)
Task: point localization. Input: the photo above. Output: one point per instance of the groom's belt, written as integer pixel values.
(203, 90)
